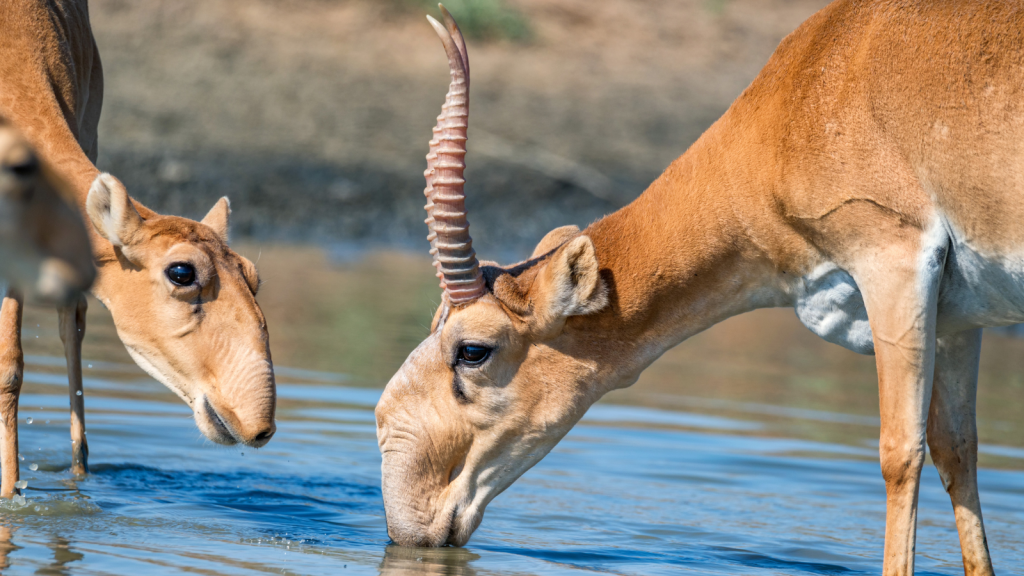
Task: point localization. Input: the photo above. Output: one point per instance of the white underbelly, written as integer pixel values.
(830, 304)
(979, 290)
(975, 292)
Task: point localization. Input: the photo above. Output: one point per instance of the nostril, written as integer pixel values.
(264, 435)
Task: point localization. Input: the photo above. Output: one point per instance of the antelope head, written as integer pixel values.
(502, 376)
(44, 247)
(185, 307)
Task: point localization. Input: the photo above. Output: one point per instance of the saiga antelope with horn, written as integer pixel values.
(871, 177)
(184, 304)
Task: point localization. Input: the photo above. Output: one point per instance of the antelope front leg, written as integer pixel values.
(953, 439)
(12, 367)
(901, 298)
(72, 330)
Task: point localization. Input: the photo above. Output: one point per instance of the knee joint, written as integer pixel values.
(901, 462)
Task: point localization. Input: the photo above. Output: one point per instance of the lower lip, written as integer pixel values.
(218, 423)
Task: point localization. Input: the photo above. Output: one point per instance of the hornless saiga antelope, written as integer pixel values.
(44, 247)
(184, 304)
(871, 177)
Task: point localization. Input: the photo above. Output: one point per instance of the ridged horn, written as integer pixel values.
(450, 243)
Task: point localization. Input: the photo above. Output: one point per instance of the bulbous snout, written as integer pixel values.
(414, 506)
(426, 511)
(253, 426)
(427, 493)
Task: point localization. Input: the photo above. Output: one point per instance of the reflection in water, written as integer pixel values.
(750, 449)
(60, 548)
(62, 556)
(399, 561)
(6, 546)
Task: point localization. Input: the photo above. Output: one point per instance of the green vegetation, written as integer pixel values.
(716, 7)
(482, 19)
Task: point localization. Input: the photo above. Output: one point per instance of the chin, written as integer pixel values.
(463, 526)
(211, 424)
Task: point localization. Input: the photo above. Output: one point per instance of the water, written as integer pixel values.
(751, 449)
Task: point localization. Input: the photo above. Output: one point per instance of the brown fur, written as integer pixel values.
(208, 342)
(44, 247)
(884, 138)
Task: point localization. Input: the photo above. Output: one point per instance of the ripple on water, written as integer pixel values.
(630, 490)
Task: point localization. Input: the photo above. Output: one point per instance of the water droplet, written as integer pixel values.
(37, 335)
(46, 508)
(19, 499)
(28, 420)
(20, 457)
(21, 484)
(36, 508)
(90, 365)
(33, 466)
(47, 421)
(79, 393)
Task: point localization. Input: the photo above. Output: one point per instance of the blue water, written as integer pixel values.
(630, 490)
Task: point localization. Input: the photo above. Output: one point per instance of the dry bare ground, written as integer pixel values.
(313, 115)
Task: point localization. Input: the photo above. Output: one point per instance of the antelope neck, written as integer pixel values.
(698, 246)
(46, 95)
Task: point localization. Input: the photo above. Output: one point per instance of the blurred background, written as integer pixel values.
(752, 448)
(314, 115)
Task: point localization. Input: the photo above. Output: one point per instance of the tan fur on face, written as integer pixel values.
(468, 416)
(207, 341)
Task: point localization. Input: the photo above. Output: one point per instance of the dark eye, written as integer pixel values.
(181, 274)
(473, 355)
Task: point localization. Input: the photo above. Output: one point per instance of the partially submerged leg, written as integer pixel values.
(12, 367)
(901, 299)
(953, 439)
(72, 330)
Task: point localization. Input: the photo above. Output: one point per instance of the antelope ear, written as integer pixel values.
(554, 239)
(111, 210)
(219, 218)
(570, 284)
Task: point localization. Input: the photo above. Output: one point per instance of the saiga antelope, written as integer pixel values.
(871, 177)
(184, 304)
(44, 247)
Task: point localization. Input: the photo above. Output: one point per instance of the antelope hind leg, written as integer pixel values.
(12, 368)
(953, 439)
(72, 330)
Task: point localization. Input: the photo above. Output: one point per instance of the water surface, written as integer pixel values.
(751, 449)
